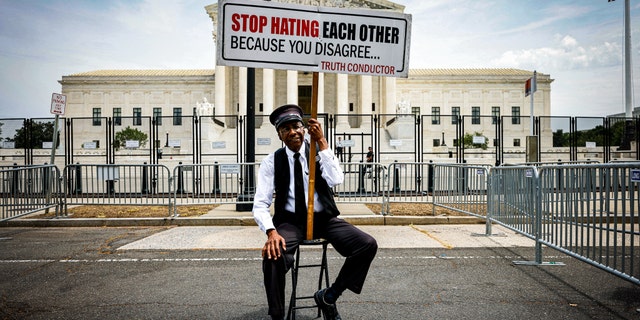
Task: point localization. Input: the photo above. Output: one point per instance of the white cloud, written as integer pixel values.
(567, 54)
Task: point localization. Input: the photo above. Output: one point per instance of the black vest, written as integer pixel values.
(281, 184)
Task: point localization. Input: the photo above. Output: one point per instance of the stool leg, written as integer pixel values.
(291, 315)
(324, 272)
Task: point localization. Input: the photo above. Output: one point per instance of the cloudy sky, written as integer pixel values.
(578, 42)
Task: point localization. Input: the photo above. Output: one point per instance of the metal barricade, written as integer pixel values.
(363, 183)
(461, 188)
(117, 184)
(590, 212)
(514, 200)
(28, 189)
(200, 184)
(407, 182)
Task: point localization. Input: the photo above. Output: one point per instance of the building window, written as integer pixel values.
(177, 116)
(455, 142)
(435, 115)
(373, 106)
(137, 116)
(117, 116)
(515, 115)
(455, 114)
(516, 142)
(475, 115)
(495, 115)
(97, 113)
(157, 115)
(496, 142)
(436, 142)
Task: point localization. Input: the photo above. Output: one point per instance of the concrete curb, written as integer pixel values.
(228, 221)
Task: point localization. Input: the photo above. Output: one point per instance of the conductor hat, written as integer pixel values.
(284, 114)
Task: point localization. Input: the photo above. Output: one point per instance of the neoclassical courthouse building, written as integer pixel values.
(357, 104)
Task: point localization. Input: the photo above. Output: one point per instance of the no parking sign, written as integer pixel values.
(58, 102)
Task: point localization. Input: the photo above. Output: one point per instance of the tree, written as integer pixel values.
(129, 134)
(33, 134)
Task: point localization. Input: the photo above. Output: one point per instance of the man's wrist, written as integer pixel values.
(268, 232)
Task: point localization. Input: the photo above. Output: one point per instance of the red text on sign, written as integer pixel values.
(248, 22)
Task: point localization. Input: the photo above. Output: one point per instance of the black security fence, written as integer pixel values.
(193, 139)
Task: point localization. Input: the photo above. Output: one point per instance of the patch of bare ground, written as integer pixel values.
(109, 211)
(123, 211)
(414, 209)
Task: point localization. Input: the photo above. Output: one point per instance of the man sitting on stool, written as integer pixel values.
(287, 228)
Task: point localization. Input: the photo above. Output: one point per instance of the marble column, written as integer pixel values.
(366, 100)
(320, 92)
(292, 86)
(242, 91)
(220, 99)
(342, 98)
(389, 95)
(268, 91)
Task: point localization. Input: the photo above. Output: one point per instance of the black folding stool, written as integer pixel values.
(323, 275)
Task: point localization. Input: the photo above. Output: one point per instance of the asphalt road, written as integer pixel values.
(102, 273)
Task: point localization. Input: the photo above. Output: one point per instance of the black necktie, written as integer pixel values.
(301, 206)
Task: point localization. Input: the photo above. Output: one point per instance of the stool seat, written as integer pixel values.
(323, 275)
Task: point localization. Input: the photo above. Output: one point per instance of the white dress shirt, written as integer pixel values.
(331, 172)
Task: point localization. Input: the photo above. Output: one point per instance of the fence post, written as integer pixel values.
(216, 178)
(362, 170)
(430, 178)
(15, 180)
(78, 173)
(45, 180)
(180, 188)
(396, 176)
(145, 179)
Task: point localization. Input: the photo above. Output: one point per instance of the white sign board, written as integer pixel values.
(479, 140)
(58, 103)
(218, 145)
(132, 144)
(89, 145)
(348, 143)
(175, 143)
(267, 34)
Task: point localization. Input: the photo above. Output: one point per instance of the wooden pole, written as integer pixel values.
(312, 158)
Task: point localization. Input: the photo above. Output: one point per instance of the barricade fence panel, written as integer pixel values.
(591, 212)
(513, 198)
(461, 188)
(28, 189)
(588, 211)
(115, 184)
(363, 183)
(407, 182)
(215, 183)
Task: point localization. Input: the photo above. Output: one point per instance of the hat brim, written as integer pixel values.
(287, 118)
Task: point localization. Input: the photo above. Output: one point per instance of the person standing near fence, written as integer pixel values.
(287, 228)
(369, 160)
(339, 150)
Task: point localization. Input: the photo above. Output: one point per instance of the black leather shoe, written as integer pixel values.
(329, 311)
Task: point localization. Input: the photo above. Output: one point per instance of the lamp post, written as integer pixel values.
(443, 144)
(167, 142)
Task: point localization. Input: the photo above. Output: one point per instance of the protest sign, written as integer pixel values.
(265, 34)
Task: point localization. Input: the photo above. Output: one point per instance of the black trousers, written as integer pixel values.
(358, 247)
